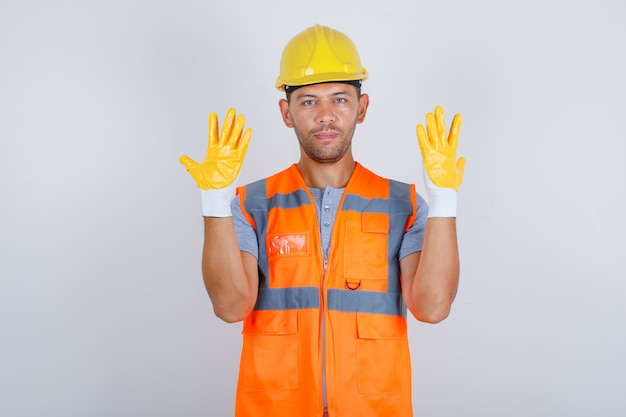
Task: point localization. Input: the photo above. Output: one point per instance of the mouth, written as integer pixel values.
(326, 135)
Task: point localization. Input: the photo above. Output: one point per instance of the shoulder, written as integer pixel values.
(260, 187)
(369, 175)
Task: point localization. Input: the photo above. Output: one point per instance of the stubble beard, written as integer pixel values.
(325, 153)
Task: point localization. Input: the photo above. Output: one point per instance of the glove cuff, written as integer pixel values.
(216, 203)
(442, 201)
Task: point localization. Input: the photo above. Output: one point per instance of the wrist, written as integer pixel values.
(441, 201)
(216, 202)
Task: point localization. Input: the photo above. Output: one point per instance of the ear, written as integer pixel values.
(364, 102)
(283, 104)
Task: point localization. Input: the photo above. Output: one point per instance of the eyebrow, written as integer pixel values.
(336, 93)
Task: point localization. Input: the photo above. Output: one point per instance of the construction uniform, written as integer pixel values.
(327, 332)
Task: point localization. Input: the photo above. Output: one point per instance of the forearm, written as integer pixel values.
(231, 290)
(436, 279)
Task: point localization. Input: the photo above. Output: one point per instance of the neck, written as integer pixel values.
(318, 175)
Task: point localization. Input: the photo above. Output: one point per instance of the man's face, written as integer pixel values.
(324, 117)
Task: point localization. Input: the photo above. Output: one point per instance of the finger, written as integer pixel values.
(440, 121)
(431, 128)
(187, 162)
(213, 138)
(421, 133)
(455, 128)
(227, 126)
(422, 139)
(235, 136)
(242, 147)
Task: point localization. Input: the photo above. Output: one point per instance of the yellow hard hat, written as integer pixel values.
(319, 54)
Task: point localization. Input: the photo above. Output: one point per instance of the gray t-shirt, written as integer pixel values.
(327, 201)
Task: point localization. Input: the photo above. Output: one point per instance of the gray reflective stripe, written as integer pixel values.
(292, 200)
(398, 203)
(288, 298)
(338, 300)
(366, 302)
(398, 190)
(256, 195)
(393, 277)
(256, 204)
(394, 207)
(256, 200)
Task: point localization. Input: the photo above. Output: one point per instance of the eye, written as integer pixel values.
(340, 100)
(308, 102)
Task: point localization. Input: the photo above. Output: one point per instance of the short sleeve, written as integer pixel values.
(414, 237)
(246, 236)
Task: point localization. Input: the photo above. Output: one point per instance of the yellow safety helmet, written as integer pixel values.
(319, 54)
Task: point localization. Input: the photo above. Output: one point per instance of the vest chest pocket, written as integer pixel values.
(365, 251)
(383, 362)
(289, 260)
(269, 360)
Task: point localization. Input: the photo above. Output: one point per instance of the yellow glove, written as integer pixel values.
(225, 153)
(443, 174)
(217, 174)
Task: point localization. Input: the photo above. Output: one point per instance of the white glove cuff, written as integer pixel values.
(442, 201)
(216, 203)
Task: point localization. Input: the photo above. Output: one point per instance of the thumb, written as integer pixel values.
(460, 169)
(187, 162)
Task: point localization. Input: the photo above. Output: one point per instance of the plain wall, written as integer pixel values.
(102, 307)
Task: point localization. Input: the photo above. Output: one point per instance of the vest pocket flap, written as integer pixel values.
(382, 356)
(378, 326)
(271, 322)
(269, 358)
(375, 223)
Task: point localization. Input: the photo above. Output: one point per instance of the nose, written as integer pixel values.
(325, 113)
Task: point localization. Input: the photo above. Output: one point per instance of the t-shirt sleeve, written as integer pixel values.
(246, 237)
(414, 237)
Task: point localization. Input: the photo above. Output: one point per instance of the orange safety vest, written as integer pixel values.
(343, 322)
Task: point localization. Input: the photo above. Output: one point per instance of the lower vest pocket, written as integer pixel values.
(383, 362)
(269, 360)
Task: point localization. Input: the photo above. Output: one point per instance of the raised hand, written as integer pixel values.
(443, 173)
(439, 150)
(225, 153)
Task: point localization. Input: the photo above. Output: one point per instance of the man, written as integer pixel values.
(322, 260)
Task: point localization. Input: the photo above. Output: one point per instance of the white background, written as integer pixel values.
(102, 307)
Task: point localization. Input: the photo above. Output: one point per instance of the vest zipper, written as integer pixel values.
(323, 329)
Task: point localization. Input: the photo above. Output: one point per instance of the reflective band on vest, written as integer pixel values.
(351, 309)
(288, 298)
